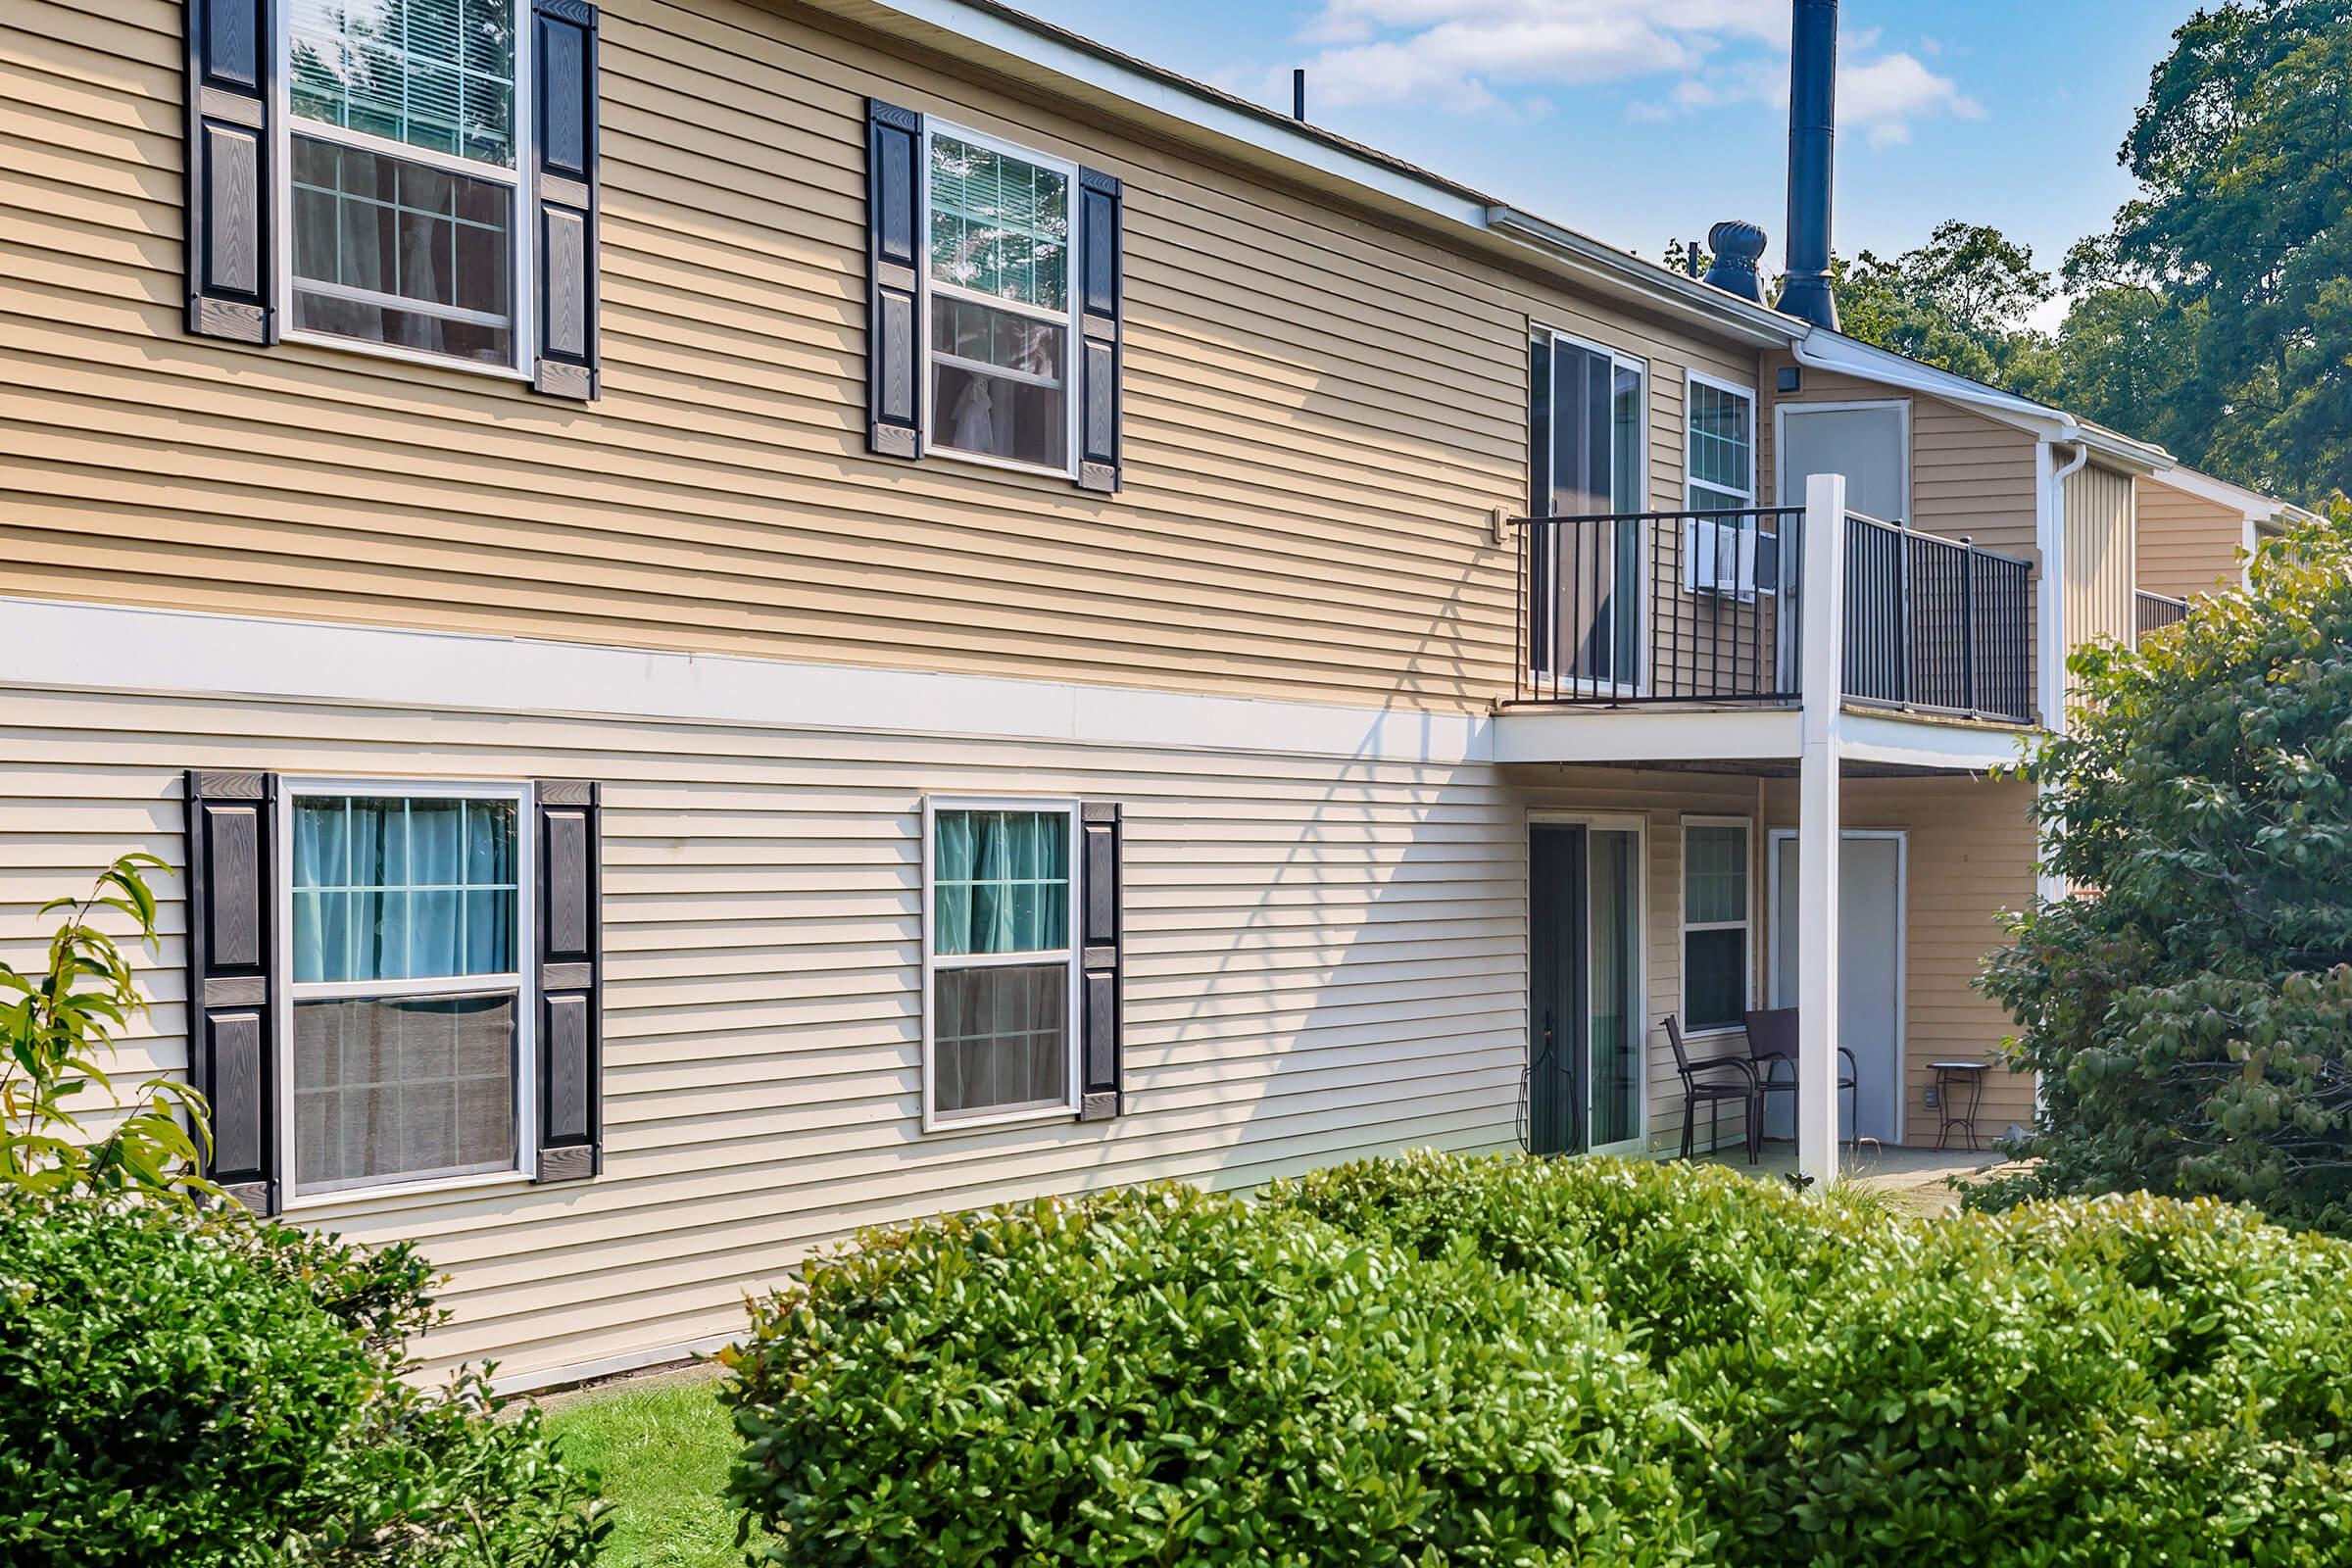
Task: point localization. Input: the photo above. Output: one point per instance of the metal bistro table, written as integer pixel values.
(1951, 1078)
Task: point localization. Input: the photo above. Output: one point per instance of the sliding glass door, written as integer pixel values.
(1585, 1034)
(1586, 422)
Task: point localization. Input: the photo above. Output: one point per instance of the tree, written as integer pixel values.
(52, 1030)
(2189, 1008)
(2244, 233)
(1961, 302)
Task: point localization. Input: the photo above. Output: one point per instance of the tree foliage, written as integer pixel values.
(2243, 228)
(2214, 314)
(2189, 1007)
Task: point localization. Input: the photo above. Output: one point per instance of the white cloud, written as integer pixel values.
(1491, 56)
(1884, 96)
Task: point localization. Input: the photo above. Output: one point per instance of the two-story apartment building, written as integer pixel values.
(747, 617)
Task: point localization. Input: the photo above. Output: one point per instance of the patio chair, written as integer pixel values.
(1711, 1083)
(1772, 1041)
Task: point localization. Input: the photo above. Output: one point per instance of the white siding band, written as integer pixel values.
(52, 645)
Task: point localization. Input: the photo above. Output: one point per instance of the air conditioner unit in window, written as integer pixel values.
(1732, 558)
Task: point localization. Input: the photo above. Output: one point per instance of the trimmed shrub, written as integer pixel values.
(1162, 1377)
(195, 1388)
(1504, 1361)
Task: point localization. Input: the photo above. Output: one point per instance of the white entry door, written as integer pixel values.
(1870, 977)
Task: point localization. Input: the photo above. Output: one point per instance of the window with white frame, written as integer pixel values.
(1715, 923)
(998, 224)
(404, 220)
(1721, 446)
(1000, 959)
(409, 926)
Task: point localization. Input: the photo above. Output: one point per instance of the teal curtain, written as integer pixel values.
(389, 888)
(1001, 882)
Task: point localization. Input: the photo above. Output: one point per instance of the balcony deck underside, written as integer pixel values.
(1751, 739)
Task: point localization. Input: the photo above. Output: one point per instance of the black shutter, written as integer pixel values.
(229, 265)
(571, 965)
(1100, 1092)
(233, 1059)
(1100, 221)
(894, 222)
(564, 196)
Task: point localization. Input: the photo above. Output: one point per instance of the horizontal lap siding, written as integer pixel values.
(1662, 800)
(1971, 476)
(2187, 545)
(1968, 855)
(1322, 408)
(1324, 959)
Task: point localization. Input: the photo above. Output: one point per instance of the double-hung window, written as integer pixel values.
(1000, 960)
(405, 226)
(997, 224)
(1715, 923)
(1722, 441)
(1721, 556)
(407, 919)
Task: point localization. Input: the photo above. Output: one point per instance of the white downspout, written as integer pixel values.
(2053, 888)
(2053, 582)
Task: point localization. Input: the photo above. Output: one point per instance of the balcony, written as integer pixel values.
(2155, 611)
(1691, 609)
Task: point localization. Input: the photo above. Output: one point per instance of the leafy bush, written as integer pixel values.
(193, 1386)
(2189, 1009)
(1505, 1361)
(54, 1024)
(1168, 1378)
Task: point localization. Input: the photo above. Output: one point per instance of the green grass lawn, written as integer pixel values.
(662, 1446)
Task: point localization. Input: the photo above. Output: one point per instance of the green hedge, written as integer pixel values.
(1446, 1360)
(191, 1389)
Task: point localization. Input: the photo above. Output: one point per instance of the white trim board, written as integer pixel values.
(56, 646)
(60, 646)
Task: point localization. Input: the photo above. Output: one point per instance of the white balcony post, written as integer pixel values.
(1822, 661)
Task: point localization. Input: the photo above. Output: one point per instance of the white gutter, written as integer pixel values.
(1844, 355)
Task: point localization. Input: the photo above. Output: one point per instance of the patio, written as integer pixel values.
(1918, 1179)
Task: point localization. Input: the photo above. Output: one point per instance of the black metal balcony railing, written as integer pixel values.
(1705, 606)
(2155, 611)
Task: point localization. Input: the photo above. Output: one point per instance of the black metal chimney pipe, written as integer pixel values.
(1812, 161)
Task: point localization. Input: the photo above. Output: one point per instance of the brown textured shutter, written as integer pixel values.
(1100, 221)
(894, 222)
(564, 196)
(229, 263)
(232, 947)
(1102, 1094)
(571, 965)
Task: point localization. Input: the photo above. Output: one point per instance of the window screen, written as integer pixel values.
(1002, 955)
(415, 252)
(1715, 925)
(406, 987)
(999, 270)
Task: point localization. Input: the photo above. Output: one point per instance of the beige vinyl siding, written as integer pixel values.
(1323, 408)
(1663, 798)
(1323, 958)
(1972, 477)
(2185, 543)
(2100, 572)
(1968, 855)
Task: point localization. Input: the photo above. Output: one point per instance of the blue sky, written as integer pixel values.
(1636, 121)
